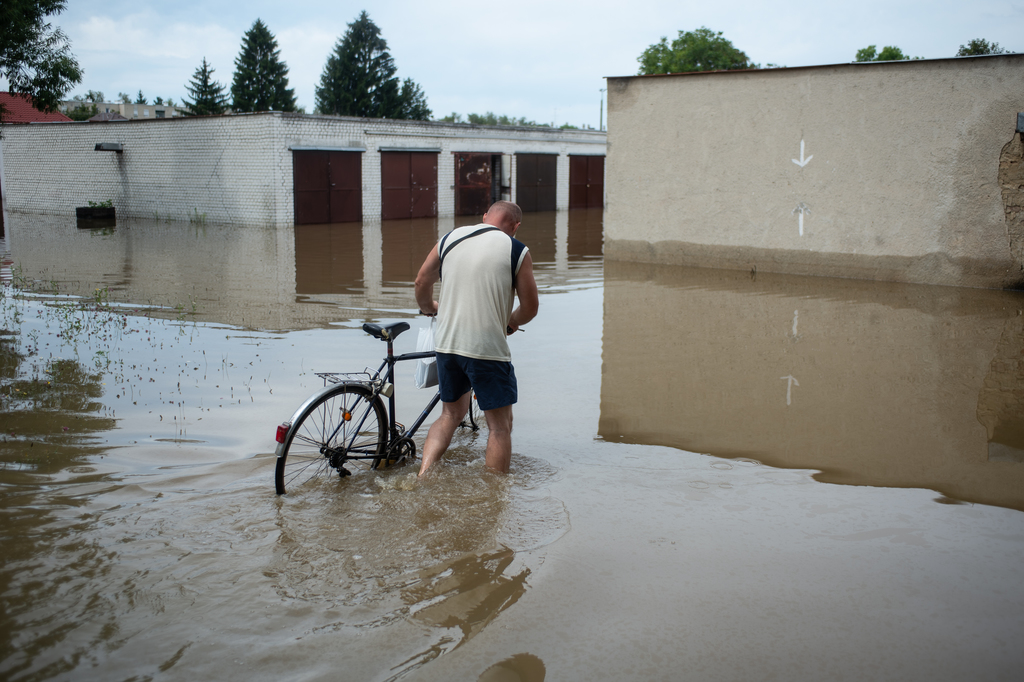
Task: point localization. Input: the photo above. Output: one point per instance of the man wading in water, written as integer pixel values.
(481, 268)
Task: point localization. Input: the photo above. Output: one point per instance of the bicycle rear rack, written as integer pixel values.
(366, 378)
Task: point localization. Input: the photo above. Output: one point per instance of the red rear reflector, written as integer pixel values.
(282, 432)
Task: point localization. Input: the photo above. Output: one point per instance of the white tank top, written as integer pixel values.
(477, 292)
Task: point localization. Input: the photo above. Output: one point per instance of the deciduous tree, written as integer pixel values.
(261, 78)
(207, 95)
(889, 53)
(35, 58)
(979, 47)
(700, 50)
(359, 78)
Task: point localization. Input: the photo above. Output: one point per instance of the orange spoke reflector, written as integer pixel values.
(347, 416)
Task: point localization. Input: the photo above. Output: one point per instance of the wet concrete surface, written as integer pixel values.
(858, 519)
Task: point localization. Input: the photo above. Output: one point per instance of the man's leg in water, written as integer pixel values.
(499, 438)
(441, 431)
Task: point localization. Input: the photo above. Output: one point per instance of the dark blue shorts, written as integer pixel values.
(494, 382)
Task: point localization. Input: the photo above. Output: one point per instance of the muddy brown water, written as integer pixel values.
(716, 476)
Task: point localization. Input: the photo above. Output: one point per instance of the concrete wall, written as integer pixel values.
(238, 169)
(884, 171)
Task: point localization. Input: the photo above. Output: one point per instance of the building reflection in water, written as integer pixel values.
(870, 383)
(277, 278)
(329, 259)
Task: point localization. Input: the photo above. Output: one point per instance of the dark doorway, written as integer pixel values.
(586, 181)
(408, 184)
(328, 186)
(535, 181)
(477, 182)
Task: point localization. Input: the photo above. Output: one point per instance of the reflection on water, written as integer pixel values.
(871, 383)
(329, 259)
(518, 668)
(304, 277)
(442, 553)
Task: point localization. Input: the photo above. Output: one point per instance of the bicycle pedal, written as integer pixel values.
(343, 472)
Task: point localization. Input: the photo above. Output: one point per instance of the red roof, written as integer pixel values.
(18, 109)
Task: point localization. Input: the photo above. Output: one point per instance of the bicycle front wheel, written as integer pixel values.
(347, 422)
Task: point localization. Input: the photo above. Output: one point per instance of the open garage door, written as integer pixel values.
(535, 181)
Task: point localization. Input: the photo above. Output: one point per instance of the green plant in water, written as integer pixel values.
(196, 217)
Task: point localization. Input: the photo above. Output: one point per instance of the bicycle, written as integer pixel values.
(347, 421)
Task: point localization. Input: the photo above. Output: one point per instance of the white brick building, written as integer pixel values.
(241, 168)
(128, 110)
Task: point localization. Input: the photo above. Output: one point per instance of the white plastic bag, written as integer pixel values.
(426, 369)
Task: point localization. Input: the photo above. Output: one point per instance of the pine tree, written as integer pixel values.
(261, 78)
(208, 96)
(359, 79)
(414, 102)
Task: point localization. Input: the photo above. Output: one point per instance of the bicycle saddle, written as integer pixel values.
(388, 333)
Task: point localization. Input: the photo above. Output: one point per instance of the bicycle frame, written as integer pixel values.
(390, 361)
(395, 441)
(379, 386)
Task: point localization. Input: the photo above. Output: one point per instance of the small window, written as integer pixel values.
(159, 113)
(145, 112)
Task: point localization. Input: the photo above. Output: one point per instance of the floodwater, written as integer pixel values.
(716, 476)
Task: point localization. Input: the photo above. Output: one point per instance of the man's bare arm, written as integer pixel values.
(429, 273)
(526, 290)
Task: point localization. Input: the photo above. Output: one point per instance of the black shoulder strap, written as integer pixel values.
(442, 252)
(517, 253)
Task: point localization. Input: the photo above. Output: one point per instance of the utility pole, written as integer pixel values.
(600, 125)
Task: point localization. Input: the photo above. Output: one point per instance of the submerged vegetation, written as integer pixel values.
(54, 346)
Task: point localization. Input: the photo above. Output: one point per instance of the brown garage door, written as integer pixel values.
(535, 181)
(586, 181)
(408, 184)
(328, 186)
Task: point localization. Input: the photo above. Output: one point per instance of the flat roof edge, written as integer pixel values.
(1019, 56)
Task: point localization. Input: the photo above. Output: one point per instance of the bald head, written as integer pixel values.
(504, 215)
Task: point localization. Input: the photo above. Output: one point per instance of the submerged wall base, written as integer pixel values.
(932, 268)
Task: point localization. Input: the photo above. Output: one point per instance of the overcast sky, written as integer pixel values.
(544, 60)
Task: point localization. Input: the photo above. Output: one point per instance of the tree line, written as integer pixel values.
(707, 50)
(359, 79)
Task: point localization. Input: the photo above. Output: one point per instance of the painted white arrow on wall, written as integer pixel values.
(802, 162)
(789, 387)
(800, 209)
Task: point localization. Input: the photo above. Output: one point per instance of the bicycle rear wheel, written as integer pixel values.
(348, 421)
